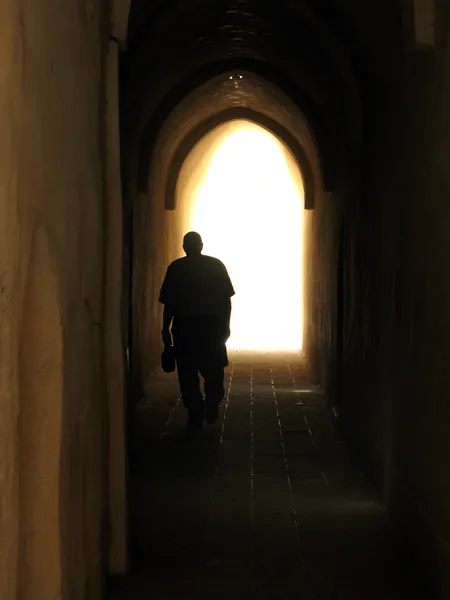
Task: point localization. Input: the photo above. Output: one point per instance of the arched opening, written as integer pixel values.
(242, 189)
(160, 214)
(40, 429)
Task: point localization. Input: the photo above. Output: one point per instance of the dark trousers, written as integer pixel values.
(189, 367)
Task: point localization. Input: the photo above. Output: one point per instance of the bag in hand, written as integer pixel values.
(168, 359)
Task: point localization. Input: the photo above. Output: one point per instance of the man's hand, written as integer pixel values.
(166, 337)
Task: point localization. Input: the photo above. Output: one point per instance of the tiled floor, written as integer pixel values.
(265, 504)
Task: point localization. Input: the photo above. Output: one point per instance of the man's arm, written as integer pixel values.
(164, 298)
(167, 317)
(227, 318)
(229, 292)
(167, 322)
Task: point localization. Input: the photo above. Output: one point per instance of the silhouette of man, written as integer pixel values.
(196, 293)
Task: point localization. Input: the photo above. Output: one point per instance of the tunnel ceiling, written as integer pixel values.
(310, 71)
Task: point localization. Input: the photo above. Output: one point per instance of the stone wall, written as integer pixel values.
(321, 241)
(52, 413)
(397, 325)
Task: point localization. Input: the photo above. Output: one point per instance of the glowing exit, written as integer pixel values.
(248, 208)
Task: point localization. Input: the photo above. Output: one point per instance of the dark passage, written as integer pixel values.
(265, 504)
(359, 94)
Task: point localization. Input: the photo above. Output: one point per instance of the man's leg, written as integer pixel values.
(190, 389)
(213, 375)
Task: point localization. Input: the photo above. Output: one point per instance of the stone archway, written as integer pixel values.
(41, 398)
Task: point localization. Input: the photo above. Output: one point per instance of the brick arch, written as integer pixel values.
(233, 114)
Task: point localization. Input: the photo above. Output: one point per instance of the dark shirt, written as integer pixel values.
(196, 285)
(197, 291)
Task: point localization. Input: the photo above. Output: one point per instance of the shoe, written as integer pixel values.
(212, 413)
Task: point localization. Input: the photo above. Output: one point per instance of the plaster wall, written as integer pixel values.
(157, 238)
(52, 413)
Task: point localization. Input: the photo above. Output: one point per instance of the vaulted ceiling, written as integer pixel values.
(332, 60)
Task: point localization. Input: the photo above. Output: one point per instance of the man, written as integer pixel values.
(196, 294)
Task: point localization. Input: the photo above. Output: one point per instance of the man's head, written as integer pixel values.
(192, 243)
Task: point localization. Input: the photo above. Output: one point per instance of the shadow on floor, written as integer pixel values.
(265, 504)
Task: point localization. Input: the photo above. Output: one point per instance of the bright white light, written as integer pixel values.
(249, 211)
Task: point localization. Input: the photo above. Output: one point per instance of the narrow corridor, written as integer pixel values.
(110, 113)
(265, 504)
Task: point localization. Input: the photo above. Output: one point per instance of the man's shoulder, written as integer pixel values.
(176, 264)
(213, 261)
(201, 262)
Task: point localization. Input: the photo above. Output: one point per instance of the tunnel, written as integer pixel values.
(168, 167)
(308, 142)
